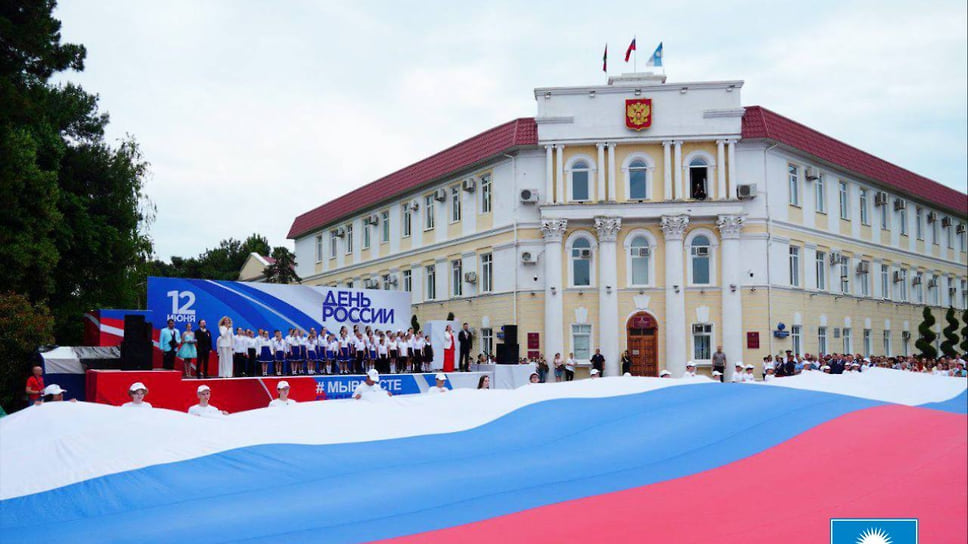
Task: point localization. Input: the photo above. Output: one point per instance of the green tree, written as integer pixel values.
(220, 263)
(26, 326)
(964, 332)
(283, 269)
(927, 336)
(950, 334)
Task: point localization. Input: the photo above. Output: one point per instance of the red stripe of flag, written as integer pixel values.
(605, 60)
(628, 52)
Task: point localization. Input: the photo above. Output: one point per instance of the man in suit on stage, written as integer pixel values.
(464, 340)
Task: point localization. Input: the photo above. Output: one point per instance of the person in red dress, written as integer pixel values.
(35, 385)
(449, 349)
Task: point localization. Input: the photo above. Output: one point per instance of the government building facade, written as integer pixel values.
(662, 218)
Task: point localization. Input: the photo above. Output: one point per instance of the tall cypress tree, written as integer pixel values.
(964, 332)
(950, 334)
(927, 336)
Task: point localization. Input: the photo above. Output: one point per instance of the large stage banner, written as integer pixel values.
(274, 306)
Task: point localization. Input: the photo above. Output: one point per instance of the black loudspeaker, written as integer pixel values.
(133, 325)
(135, 356)
(148, 330)
(507, 354)
(510, 334)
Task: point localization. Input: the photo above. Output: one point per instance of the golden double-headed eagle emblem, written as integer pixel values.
(638, 113)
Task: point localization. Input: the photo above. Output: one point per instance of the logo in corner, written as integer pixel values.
(874, 531)
(638, 113)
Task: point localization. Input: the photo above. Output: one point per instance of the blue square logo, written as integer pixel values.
(874, 531)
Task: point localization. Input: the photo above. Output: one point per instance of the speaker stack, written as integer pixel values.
(136, 346)
(507, 353)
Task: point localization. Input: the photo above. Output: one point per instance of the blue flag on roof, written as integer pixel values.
(656, 58)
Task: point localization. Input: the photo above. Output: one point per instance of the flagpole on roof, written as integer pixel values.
(635, 56)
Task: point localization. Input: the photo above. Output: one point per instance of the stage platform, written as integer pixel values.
(168, 389)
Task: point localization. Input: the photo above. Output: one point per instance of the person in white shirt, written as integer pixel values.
(665, 374)
(203, 408)
(403, 353)
(418, 353)
(594, 374)
(239, 348)
(264, 346)
(717, 375)
(344, 351)
(382, 353)
(370, 389)
(738, 372)
(769, 377)
(278, 347)
(359, 353)
(441, 386)
(748, 376)
(570, 367)
(137, 392)
(283, 389)
(690, 370)
(225, 346)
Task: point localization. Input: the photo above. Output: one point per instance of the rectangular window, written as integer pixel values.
(822, 340)
(884, 223)
(963, 240)
(319, 248)
(821, 194)
(581, 342)
(486, 193)
(429, 212)
(964, 294)
(795, 336)
(333, 238)
(794, 179)
(935, 239)
(848, 345)
(349, 238)
(457, 277)
(845, 275)
(902, 286)
(919, 222)
(487, 341)
(905, 345)
(864, 279)
(455, 210)
(887, 344)
(407, 281)
(386, 282)
(902, 217)
(366, 237)
(821, 265)
(933, 290)
(431, 273)
(885, 282)
(865, 217)
(948, 234)
(844, 201)
(385, 226)
(868, 343)
(917, 286)
(407, 226)
(702, 340)
(794, 266)
(487, 273)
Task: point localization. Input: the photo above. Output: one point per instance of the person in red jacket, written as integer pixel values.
(35, 385)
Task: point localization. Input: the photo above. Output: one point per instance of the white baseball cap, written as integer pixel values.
(627, 375)
(665, 373)
(283, 384)
(440, 377)
(202, 388)
(739, 363)
(373, 375)
(594, 371)
(690, 364)
(749, 367)
(54, 389)
(136, 386)
(717, 373)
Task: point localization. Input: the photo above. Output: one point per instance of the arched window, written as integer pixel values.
(581, 263)
(640, 253)
(698, 177)
(638, 180)
(699, 253)
(580, 173)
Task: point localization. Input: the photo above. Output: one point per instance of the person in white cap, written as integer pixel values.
(768, 377)
(738, 373)
(665, 374)
(536, 378)
(283, 388)
(748, 375)
(595, 373)
(441, 386)
(137, 392)
(54, 393)
(370, 389)
(203, 408)
(717, 375)
(690, 370)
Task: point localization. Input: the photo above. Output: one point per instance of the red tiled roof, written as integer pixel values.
(520, 132)
(759, 122)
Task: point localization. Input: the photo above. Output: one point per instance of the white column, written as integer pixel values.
(553, 230)
(720, 169)
(560, 174)
(731, 157)
(601, 173)
(549, 196)
(680, 189)
(667, 168)
(673, 227)
(608, 228)
(611, 172)
(731, 265)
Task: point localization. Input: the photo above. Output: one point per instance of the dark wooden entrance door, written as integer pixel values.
(643, 344)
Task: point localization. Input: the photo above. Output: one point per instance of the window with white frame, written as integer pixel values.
(865, 218)
(406, 226)
(919, 222)
(407, 281)
(948, 234)
(366, 237)
(580, 175)
(963, 237)
(794, 266)
(822, 340)
(884, 222)
(581, 263)
(385, 226)
(844, 275)
(903, 218)
(933, 290)
(845, 336)
(702, 341)
(902, 285)
(698, 179)
(386, 282)
(487, 341)
(699, 252)
(349, 238)
(887, 344)
(431, 273)
(844, 201)
(917, 287)
(793, 178)
(935, 239)
(487, 273)
(429, 212)
(885, 281)
(457, 277)
(640, 254)
(455, 210)
(820, 263)
(333, 239)
(796, 333)
(820, 189)
(905, 345)
(868, 343)
(638, 180)
(581, 341)
(864, 279)
(486, 189)
(319, 248)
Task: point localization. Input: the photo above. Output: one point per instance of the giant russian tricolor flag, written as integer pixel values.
(608, 460)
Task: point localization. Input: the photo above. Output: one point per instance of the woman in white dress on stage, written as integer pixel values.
(225, 340)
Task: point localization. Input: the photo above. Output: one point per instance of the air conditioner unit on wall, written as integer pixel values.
(469, 185)
(812, 173)
(835, 257)
(905, 335)
(746, 191)
(932, 283)
(960, 229)
(371, 220)
(880, 199)
(341, 232)
(898, 277)
(414, 205)
(640, 251)
(863, 267)
(946, 222)
(440, 195)
(932, 217)
(528, 258)
(587, 253)
(371, 284)
(470, 277)
(916, 280)
(952, 291)
(529, 196)
(392, 281)
(899, 204)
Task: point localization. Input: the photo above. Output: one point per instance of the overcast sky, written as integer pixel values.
(252, 112)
